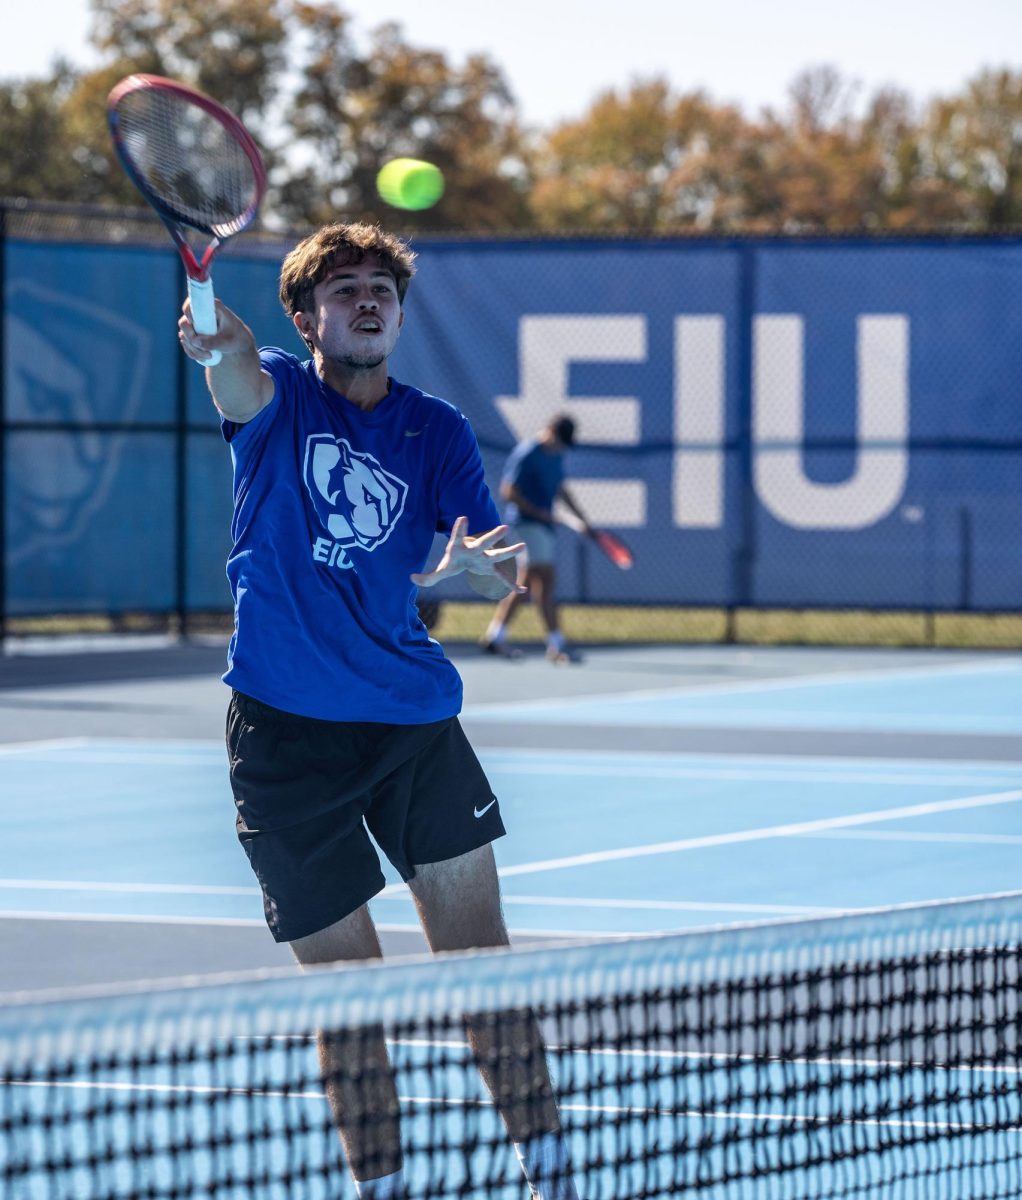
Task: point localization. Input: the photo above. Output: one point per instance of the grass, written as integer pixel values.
(610, 624)
(774, 627)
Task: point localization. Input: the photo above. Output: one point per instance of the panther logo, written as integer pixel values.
(72, 364)
(358, 502)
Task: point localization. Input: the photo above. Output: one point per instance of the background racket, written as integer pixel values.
(198, 167)
(614, 548)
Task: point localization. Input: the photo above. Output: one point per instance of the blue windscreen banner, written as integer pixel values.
(783, 423)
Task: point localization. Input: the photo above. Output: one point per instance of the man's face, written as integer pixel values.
(356, 315)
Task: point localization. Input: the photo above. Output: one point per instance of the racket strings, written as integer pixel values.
(188, 160)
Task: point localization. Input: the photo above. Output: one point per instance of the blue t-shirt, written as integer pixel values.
(537, 475)
(334, 508)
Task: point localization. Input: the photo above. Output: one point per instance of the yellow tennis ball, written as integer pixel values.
(410, 183)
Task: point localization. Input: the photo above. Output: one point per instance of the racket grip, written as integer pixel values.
(204, 313)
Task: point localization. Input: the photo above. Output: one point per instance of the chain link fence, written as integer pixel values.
(800, 439)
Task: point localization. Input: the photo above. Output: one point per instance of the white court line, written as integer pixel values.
(817, 768)
(259, 923)
(602, 935)
(152, 889)
(80, 756)
(44, 745)
(754, 835)
(973, 666)
(127, 918)
(619, 769)
(400, 891)
(620, 766)
(722, 1058)
(889, 835)
(673, 905)
(765, 775)
(625, 1110)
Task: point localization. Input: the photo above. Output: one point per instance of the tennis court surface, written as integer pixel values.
(743, 810)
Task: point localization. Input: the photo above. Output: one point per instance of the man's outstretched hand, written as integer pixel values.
(478, 557)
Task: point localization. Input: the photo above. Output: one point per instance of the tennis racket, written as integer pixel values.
(614, 548)
(197, 166)
(609, 544)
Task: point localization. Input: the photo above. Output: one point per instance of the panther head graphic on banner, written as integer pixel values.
(355, 499)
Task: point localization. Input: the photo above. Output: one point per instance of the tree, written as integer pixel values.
(325, 116)
(350, 115)
(628, 164)
(644, 159)
(820, 170)
(647, 161)
(35, 159)
(236, 50)
(973, 147)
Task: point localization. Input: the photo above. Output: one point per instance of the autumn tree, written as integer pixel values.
(32, 132)
(326, 115)
(647, 160)
(352, 113)
(236, 50)
(328, 109)
(973, 148)
(637, 161)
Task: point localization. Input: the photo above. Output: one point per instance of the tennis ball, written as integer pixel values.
(410, 183)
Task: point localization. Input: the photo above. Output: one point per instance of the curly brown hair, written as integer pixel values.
(339, 245)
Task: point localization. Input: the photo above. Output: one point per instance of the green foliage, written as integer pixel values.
(328, 109)
(353, 113)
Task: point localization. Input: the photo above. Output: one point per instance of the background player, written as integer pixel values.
(533, 480)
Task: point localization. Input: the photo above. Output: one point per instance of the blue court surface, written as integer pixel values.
(970, 697)
(602, 842)
(599, 843)
(652, 790)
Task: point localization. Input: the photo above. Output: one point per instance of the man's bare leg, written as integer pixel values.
(356, 1068)
(459, 906)
(541, 587)
(494, 640)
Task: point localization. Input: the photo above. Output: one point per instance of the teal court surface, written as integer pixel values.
(599, 844)
(649, 791)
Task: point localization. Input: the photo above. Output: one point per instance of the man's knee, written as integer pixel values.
(459, 901)
(350, 939)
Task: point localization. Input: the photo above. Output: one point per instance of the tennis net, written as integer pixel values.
(870, 1055)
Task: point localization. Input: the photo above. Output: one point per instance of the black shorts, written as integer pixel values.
(305, 790)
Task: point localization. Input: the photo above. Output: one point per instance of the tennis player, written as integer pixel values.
(533, 481)
(343, 714)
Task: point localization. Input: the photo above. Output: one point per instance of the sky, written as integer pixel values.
(559, 54)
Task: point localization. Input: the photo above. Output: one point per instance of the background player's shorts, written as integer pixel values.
(305, 790)
(539, 541)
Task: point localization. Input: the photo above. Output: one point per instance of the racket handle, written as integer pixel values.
(204, 313)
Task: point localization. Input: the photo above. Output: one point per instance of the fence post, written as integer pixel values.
(4, 473)
(966, 558)
(582, 565)
(745, 549)
(181, 474)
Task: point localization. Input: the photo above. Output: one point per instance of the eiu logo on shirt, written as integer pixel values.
(355, 499)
